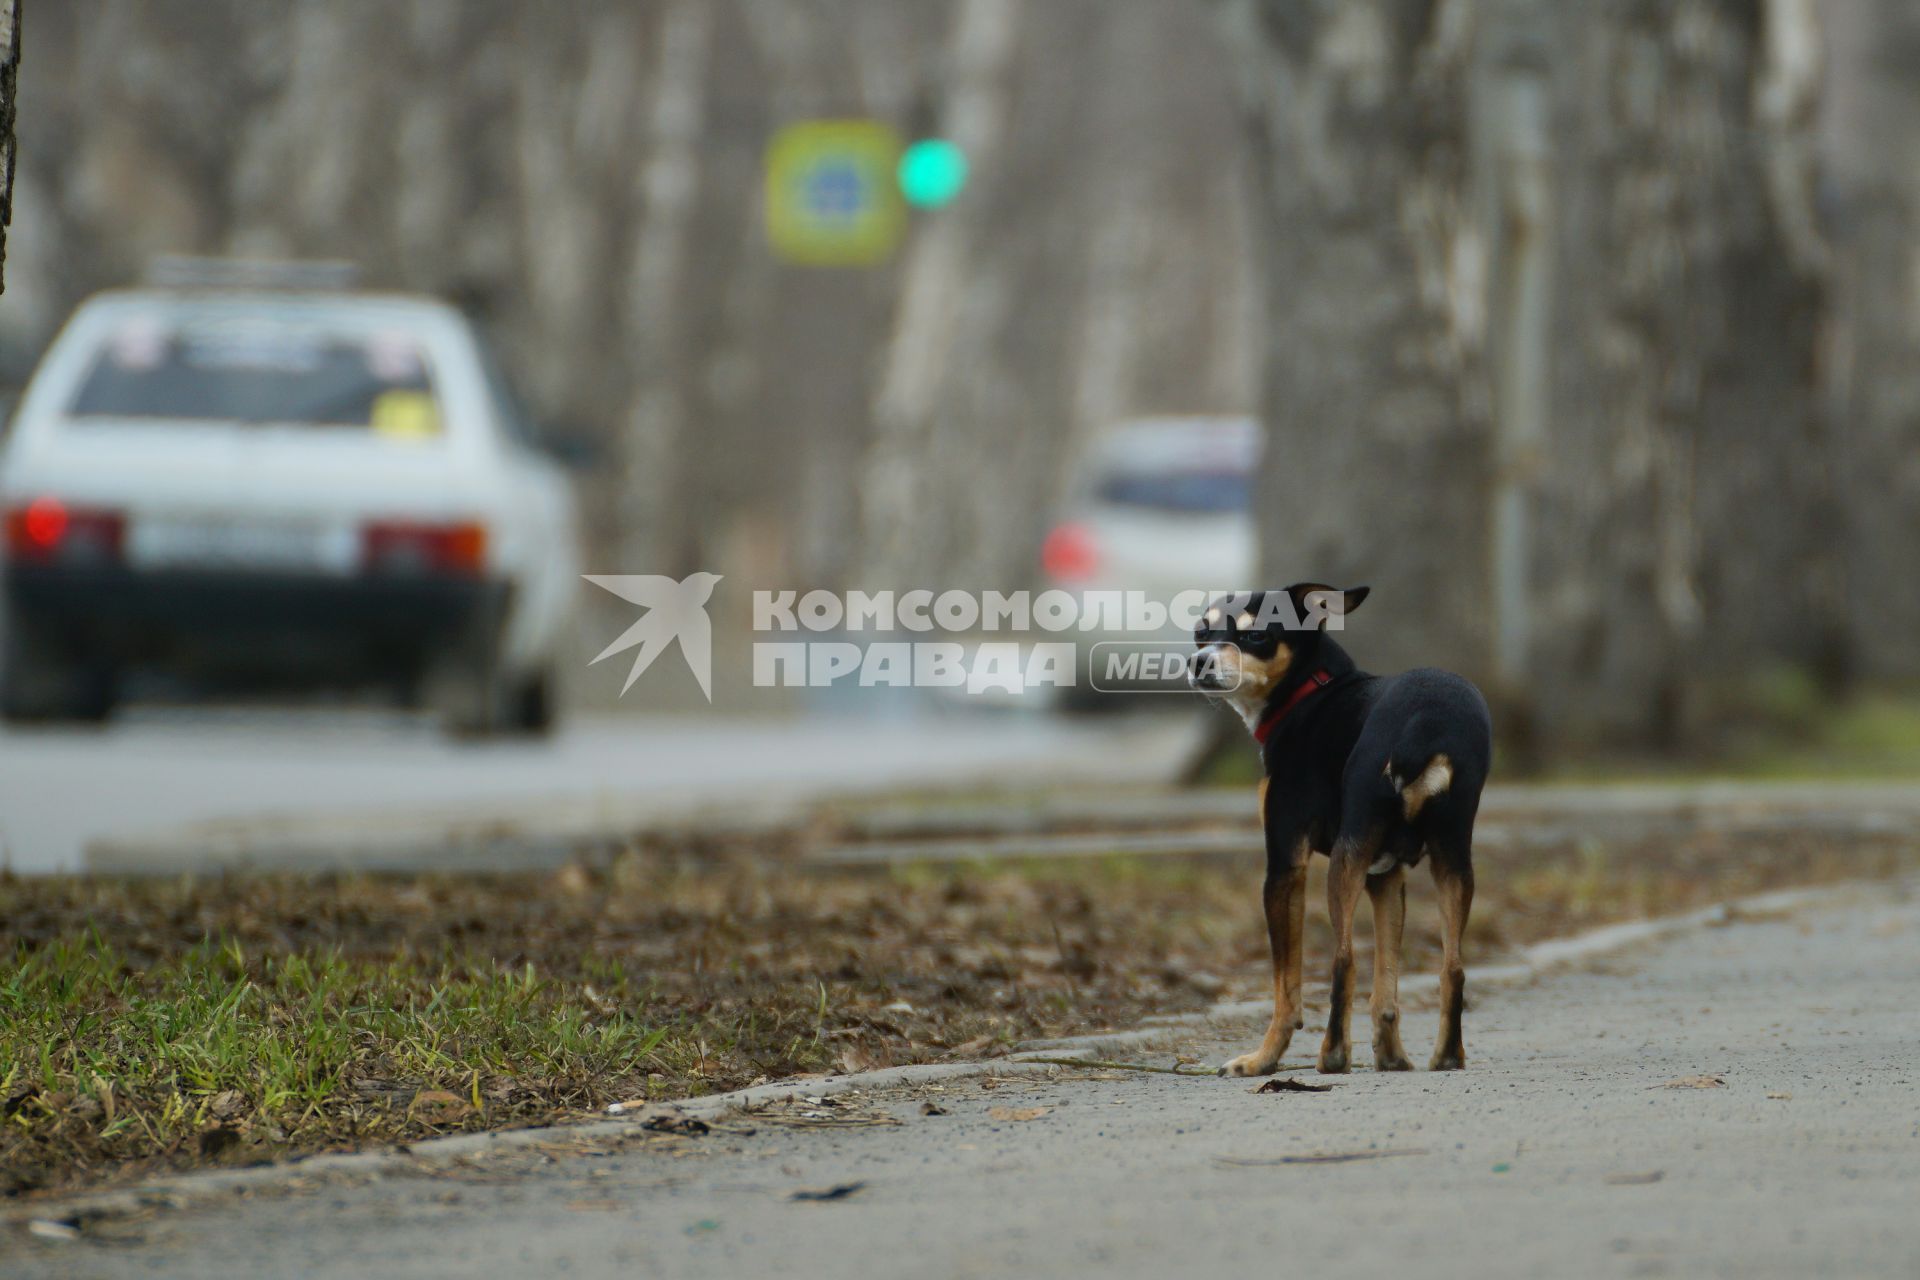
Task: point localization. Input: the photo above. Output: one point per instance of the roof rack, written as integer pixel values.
(174, 271)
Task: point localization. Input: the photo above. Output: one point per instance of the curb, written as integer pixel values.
(191, 1189)
(530, 834)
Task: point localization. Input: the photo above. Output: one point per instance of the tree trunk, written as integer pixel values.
(9, 81)
(1374, 390)
(653, 439)
(1873, 125)
(1567, 519)
(930, 349)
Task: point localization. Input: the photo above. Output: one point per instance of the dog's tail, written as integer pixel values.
(1417, 784)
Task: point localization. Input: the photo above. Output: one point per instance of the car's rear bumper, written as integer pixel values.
(241, 619)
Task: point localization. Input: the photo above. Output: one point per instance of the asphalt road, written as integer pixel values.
(185, 779)
(1557, 1152)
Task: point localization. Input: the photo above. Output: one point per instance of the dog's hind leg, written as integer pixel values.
(1389, 894)
(1453, 878)
(1346, 876)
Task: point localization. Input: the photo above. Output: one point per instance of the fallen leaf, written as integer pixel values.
(1635, 1179)
(573, 880)
(105, 1091)
(1326, 1157)
(1693, 1082)
(825, 1113)
(671, 1119)
(839, 1191)
(977, 1045)
(594, 1206)
(227, 1104)
(1207, 984)
(932, 1109)
(1017, 1113)
(437, 1106)
(1290, 1085)
(49, 1229)
(216, 1139)
(855, 1059)
(1781, 1096)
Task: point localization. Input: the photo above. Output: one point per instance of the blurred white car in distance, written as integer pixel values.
(249, 477)
(1159, 506)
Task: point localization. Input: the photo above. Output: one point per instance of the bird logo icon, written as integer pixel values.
(674, 611)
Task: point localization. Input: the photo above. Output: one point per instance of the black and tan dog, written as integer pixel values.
(1377, 772)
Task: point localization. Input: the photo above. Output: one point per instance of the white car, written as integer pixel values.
(290, 486)
(1160, 506)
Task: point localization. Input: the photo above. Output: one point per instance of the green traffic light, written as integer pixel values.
(932, 173)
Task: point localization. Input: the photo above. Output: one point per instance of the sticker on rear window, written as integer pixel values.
(406, 415)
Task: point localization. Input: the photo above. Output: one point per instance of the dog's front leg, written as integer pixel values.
(1346, 876)
(1285, 899)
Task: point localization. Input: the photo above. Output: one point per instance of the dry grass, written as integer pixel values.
(152, 1025)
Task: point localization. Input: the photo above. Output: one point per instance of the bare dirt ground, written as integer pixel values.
(158, 1025)
(1736, 1101)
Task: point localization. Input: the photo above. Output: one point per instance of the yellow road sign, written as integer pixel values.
(833, 198)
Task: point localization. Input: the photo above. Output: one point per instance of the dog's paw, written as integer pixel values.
(1249, 1064)
(1447, 1062)
(1391, 1062)
(1333, 1061)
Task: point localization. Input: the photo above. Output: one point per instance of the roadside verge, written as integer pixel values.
(65, 1215)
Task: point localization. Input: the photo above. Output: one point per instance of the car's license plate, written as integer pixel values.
(223, 543)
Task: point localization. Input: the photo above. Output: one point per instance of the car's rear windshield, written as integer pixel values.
(1178, 492)
(253, 370)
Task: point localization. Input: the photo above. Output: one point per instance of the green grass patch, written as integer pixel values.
(169, 1024)
(1779, 727)
(235, 1019)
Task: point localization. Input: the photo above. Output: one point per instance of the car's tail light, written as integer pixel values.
(48, 531)
(404, 546)
(1070, 554)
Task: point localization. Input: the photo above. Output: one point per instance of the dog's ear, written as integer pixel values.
(1316, 602)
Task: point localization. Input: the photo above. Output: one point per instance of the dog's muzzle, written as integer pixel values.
(1205, 672)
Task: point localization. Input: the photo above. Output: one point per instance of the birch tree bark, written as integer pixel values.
(9, 81)
(907, 533)
(650, 485)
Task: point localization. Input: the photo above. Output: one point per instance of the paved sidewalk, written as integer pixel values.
(1558, 1152)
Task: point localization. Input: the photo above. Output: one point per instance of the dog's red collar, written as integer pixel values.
(1271, 721)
